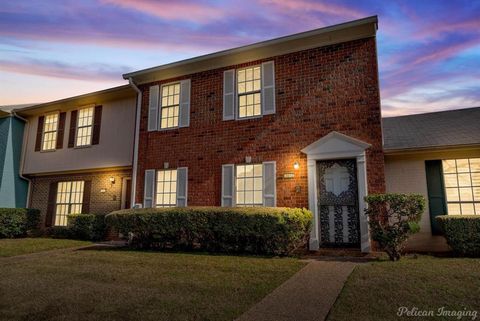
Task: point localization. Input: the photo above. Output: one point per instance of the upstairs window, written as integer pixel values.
(84, 127)
(462, 186)
(170, 106)
(249, 185)
(69, 200)
(49, 136)
(249, 92)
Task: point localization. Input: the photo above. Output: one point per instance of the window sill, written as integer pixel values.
(82, 147)
(250, 117)
(48, 151)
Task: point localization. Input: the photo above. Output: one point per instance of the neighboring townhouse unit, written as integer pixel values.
(293, 121)
(78, 153)
(13, 188)
(436, 155)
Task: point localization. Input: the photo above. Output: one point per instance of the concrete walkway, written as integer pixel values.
(308, 295)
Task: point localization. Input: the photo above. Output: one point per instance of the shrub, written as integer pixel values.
(17, 222)
(258, 230)
(89, 227)
(392, 219)
(58, 232)
(462, 233)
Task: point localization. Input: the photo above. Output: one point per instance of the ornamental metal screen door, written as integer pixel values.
(338, 203)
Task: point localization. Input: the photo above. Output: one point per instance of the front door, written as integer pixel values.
(338, 203)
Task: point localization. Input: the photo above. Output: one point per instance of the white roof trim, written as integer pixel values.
(335, 142)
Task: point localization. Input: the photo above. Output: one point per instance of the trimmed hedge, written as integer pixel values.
(91, 227)
(258, 230)
(18, 222)
(88, 227)
(462, 233)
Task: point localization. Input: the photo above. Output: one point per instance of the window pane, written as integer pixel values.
(450, 180)
(466, 194)
(454, 209)
(170, 105)
(68, 201)
(452, 194)
(468, 209)
(463, 166)
(475, 164)
(464, 179)
(475, 179)
(476, 193)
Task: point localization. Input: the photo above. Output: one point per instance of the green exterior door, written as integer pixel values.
(436, 193)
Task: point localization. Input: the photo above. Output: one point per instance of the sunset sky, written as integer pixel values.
(429, 51)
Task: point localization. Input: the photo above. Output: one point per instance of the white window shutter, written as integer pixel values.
(229, 94)
(268, 88)
(182, 186)
(269, 184)
(153, 108)
(184, 113)
(149, 188)
(228, 185)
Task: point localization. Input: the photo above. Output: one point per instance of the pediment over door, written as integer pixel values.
(336, 143)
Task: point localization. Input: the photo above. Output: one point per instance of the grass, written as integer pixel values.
(376, 291)
(128, 285)
(12, 247)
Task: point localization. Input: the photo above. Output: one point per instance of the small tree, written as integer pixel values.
(392, 219)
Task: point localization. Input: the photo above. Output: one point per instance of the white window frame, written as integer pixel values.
(237, 94)
(68, 203)
(78, 127)
(160, 105)
(175, 193)
(235, 192)
(475, 202)
(45, 132)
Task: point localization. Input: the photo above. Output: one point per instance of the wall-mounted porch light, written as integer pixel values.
(112, 180)
(296, 165)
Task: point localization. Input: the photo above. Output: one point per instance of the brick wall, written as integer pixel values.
(99, 202)
(333, 88)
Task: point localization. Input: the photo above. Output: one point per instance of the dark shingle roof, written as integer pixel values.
(439, 129)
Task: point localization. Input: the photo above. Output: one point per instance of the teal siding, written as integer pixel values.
(13, 189)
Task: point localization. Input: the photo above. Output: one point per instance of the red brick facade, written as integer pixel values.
(332, 88)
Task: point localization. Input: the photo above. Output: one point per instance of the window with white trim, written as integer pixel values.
(249, 184)
(69, 200)
(170, 106)
(249, 91)
(50, 128)
(166, 188)
(462, 185)
(84, 127)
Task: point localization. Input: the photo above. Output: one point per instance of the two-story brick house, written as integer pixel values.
(78, 153)
(293, 121)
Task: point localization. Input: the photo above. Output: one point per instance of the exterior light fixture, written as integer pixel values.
(112, 180)
(248, 159)
(166, 165)
(296, 165)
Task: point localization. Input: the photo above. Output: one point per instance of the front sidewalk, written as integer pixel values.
(308, 295)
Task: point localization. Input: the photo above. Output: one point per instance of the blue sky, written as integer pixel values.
(429, 51)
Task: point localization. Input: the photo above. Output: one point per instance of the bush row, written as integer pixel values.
(18, 222)
(462, 233)
(259, 230)
(89, 227)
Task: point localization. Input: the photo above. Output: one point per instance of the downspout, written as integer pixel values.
(136, 139)
(22, 156)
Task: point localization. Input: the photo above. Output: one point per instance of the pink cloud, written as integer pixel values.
(326, 8)
(173, 10)
(96, 73)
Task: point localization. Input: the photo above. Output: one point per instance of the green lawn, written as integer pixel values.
(128, 285)
(375, 291)
(12, 247)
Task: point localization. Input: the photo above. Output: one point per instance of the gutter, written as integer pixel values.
(22, 157)
(136, 139)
